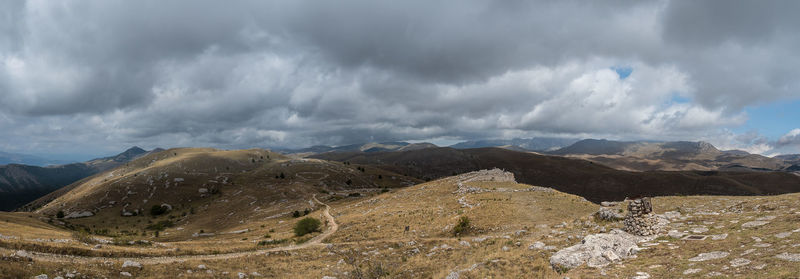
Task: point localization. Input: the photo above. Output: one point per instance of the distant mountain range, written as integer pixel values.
(20, 184)
(531, 144)
(25, 159)
(518, 144)
(363, 147)
(677, 155)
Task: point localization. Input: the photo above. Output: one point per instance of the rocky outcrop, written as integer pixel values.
(608, 214)
(596, 250)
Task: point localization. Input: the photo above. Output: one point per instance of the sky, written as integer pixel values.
(95, 77)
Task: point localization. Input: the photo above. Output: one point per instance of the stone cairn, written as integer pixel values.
(640, 219)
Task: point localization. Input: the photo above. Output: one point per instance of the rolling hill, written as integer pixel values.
(213, 190)
(593, 181)
(20, 184)
(669, 156)
(531, 144)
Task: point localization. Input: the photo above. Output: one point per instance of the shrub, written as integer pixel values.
(306, 225)
(462, 226)
(349, 182)
(354, 195)
(160, 226)
(282, 176)
(158, 210)
(296, 214)
(60, 214)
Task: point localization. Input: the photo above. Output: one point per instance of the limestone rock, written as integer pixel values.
(709, 256)
(789, 257)
(608, 214)
(753, 224)
(131, 264)
(597, 250)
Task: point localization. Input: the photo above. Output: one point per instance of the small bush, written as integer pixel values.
(296, 214)
(306, 225)
(160, 226)
(354, 195)
(158, 210)
(462, 226)
(272, 241)
(60, 214)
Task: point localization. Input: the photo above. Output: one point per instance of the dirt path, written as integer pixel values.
(316, 241)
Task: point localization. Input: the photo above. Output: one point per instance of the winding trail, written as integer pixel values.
(314, 242)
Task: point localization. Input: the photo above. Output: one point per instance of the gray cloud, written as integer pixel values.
(88, 75)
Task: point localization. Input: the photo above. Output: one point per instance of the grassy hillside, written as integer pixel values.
(580, 177)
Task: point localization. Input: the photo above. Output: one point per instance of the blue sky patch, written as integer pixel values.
(623, 71)
(772, 120)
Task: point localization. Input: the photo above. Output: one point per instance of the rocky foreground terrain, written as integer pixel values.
(513, 231)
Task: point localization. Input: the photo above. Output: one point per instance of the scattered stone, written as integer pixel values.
(131, 264)
(672, 215)
(464, 243)
(789, 257)
(709, 256)
(597, 250)
(609, 204)
(641, 275)
(783, 234)
(126, 274)
(505, 248)
(762, 245)
(748, 251)
(202, 266)
(608, 214)
(21, 254)
(753, 224)
(77, 214)
(739, 262)
(760, 267)
(242, 275)
(692, 271)
(719, 236)
(675, 234)
(328, 277)
(699, 230)
(41, 276)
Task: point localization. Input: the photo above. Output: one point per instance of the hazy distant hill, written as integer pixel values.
(678, 155)
(365, 147)
(581, 177)
(20, 184)
(25, 159)
(531, 144)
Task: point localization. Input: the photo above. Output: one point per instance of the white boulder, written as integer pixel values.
(597, 250)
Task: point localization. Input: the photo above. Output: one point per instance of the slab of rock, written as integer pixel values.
(719, 236)
(676, 234)
(131, 264)
(597, 250)
(692, 271)
(783, 234)
(77, 214)
(709, 256)
(608, 214)
(789, 257)
(737, 262)
(753, 224)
